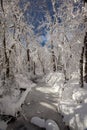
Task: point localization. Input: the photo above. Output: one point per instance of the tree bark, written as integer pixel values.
(85, 52)
(28, 59)
(28, 56)
(34, 68)
(2, 5)
(81, 69)
(6, 57)
(53, 59)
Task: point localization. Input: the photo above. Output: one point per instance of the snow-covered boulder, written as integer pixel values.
(38, 122)
(51, 125)
(48, 124)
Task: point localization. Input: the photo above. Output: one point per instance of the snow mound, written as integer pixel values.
(10, 106)
(23, 81)
(51, 125)
(56, 81)
(79, 95)
(11, 102)
(48, 124)
(73, 105)
(38, 121)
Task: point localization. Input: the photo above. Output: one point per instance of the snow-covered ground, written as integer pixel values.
(72, 101)
(10, 102)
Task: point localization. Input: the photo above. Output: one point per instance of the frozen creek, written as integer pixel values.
(42, 102)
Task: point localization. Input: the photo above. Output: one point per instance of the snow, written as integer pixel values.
(24, 59)
(53, 78)
(72, 100)
(51, 125)
(73, 106)
(3, 125)
(56, 81)
(38, 121)
(10, 106)
(48, 124)
(11, 103)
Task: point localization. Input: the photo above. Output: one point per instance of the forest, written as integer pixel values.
(43, 64)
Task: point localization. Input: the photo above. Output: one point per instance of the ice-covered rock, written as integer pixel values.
(48, 124)
(38, 122)
(51, 125)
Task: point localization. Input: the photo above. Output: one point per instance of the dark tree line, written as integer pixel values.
(85, 1)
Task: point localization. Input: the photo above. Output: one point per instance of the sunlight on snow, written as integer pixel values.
(47, 105)
(45, 90)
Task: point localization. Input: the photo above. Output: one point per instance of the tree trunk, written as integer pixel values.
(6, 57)
(42, 63)
(2, 5)
(7, 69)
(81, 68)
(28, 56)
(53, 58)
(4, 44)
(85, 52)
(28, 59)
(85, 1)
(34, 68)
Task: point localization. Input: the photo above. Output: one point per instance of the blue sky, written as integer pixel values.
(35, 14)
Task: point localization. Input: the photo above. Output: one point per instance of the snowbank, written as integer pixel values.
(53, 78)
(73, 106)
(56, 80)
(11, 102)
(72, 100)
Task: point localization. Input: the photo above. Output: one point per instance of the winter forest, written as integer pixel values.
(43, 64)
